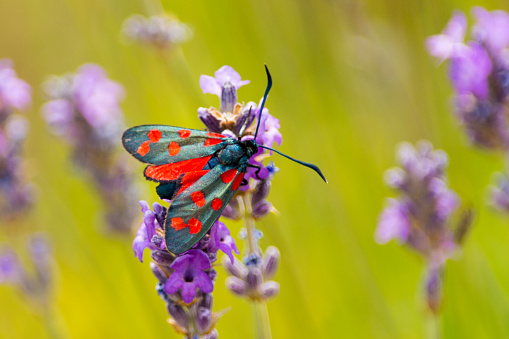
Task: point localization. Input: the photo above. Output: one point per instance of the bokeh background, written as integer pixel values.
(352, 79)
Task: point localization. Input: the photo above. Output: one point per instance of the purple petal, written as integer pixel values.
(492, 28)
(443, 45)
(199, 260)
(469, 71)
(202, 280)
(174, 282)
(227, 73)
(209, 84)
(188, 292)
(394, 223)
(14, 92)
(144, 206)
(182, 262)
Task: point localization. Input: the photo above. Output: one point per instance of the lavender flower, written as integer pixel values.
(16, 194)
(85, 111)
(421, 216)
(186, 281)
(159, 31)
(35, 284)
(479, 72)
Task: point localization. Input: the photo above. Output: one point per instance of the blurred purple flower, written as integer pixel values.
(220, 239)
(159, 31)
(421, 216)
(491, 29)
(443, 46)
(14, 92)
(96, 97)
(394, 223)
(189, 275)
(469, 71)
(84, 110)
(9, 266)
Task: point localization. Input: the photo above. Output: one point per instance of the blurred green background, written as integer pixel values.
(351, 80)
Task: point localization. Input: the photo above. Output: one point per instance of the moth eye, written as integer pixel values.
(173, 148)
(154, 135)
(228, 176)
(144, 148)
(184, 133)
(198, 198)
(194, 225)
(216, 204)
(210, 142)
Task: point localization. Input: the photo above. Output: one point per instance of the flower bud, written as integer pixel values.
(206, 301)
(236, 286)
(178, 314)
(261, 209)
(254, 278)
(269, 290)
(212, 123)
(158, 272)
(270, 262)
(163, 258)
(203, 319)
(212, 335)
(236, 269)
(232, 211)
(261, 191)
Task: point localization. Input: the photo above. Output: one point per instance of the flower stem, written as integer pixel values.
(433, 326)
(261, 314)
(262, 320)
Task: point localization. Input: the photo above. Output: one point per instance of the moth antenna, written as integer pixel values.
(313, 167)
(269, 85)
(245, 123)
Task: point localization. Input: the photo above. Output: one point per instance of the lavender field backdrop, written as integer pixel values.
(352, 80)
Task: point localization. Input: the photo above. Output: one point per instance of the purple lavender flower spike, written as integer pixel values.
(189, 275)
(222, 240)
(147, 231)
(214, 85)
(9, 266)
(491, 29)
(14, 92)
(394, 223)
(96, 96)
(469, 71)
(443, 46)
(421, 217)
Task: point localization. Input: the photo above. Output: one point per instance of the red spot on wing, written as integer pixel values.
(144, 148)
(198, 198)
(228, 175)
(216, 204)
(215, 135)
(184, 133)
(174, 148)
(194, 225)
(173, 171)
(190, 178)
(154, 135)
(177, 223)
(210, 142)
(237, 181)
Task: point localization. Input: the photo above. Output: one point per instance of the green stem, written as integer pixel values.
(262, 320)
(260, 311)
(433, 326)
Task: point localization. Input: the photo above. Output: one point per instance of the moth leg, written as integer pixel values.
(166, 190)
(258, 169)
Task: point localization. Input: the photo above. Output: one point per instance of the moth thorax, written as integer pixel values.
(251, 147)
(231, 154)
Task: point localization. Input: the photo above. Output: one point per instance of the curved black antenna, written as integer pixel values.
(313, 167)
(269, 85)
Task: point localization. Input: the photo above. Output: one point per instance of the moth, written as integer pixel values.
(198, 171)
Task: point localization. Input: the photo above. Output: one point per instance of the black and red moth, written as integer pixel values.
(198, 171)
